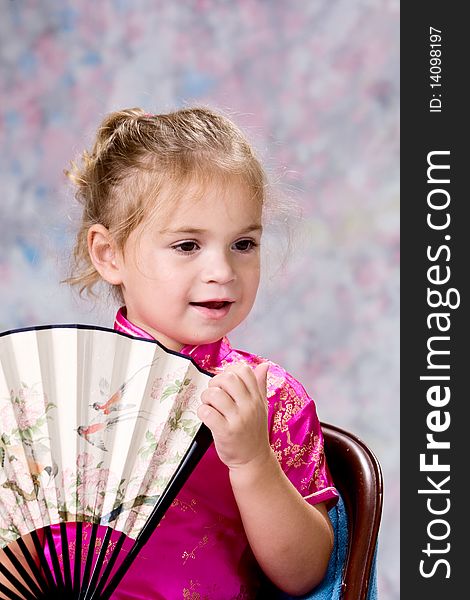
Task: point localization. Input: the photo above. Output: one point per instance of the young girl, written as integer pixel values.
(172, 222)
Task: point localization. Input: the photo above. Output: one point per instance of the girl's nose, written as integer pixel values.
(218, 269)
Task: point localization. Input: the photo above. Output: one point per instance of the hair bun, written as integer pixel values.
(113, 123)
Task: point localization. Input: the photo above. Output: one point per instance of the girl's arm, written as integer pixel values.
(291, 540)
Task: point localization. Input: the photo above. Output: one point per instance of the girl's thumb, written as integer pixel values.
(261, 374)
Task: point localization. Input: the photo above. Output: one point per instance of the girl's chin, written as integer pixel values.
(207, 332)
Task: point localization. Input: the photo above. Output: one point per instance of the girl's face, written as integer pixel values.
(193, 277)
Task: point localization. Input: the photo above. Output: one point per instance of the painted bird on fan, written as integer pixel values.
(94, 432)
(114, 403)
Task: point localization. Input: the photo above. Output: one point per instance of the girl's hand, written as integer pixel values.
(235, 410)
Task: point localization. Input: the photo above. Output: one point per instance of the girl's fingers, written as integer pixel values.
(261, 376)
(238, 381)
(254, 379)
(212, 418)
(220, 401)
(235, 410)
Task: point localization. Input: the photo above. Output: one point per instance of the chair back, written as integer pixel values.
(357, 475)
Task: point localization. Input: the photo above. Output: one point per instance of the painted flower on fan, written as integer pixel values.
(172, 446)
(30, 407)
(188, 398)
(151, 441)
(181, 416)
(93, 486)
(160, 384)
(17, 489)
(10, 506)
(7, 418)
(23, 477)
(34, 510)
(153, 480)
(84, 460)
(169, 385)
(142, 482)
(67, 479)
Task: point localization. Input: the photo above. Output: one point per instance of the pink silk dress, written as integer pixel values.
(200, 551)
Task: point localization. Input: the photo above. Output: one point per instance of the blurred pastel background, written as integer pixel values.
(315, 85)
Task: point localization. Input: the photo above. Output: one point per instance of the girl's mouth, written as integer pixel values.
(213, 309)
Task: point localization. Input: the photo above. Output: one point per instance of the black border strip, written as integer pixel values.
(435, 350)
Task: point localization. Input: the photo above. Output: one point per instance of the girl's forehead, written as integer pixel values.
(197, 203)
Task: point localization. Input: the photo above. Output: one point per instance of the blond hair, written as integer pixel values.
(137, 155)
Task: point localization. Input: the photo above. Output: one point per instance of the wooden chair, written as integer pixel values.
(358, 477)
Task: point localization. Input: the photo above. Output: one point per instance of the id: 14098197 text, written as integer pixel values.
(435, 62)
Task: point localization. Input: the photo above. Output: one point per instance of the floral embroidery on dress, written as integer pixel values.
(185, 506)
(192, 554)
(206, 361)
(191, 593)
(273, 383)
(288, 405)
(296, 455)
(301, 454)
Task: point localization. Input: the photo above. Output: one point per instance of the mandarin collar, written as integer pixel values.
(208, 356)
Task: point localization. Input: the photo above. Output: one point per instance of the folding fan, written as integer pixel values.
(98, 432)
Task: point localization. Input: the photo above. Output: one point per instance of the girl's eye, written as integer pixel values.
(186, 247)
(245, 245)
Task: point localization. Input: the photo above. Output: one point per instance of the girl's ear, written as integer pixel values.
(104, 255)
